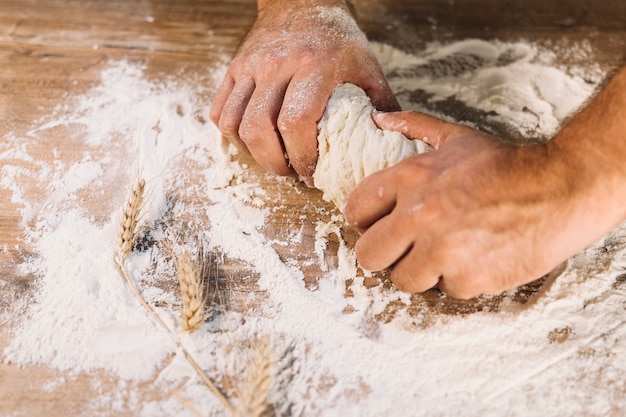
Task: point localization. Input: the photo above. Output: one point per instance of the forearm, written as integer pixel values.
(592, 149)
(588, 158)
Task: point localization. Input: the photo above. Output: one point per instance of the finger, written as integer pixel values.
(382, 97)
(369, 76)
(374, 197)
(384, 243)
(414, 272)
(220, 97)
(456, 287)
(233, 111)
(304, 104)
(259, 132)
(465, 283)
(415, 125)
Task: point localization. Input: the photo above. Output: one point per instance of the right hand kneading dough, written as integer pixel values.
(352, 147)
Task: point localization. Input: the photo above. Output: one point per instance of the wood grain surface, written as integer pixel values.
(51, 50)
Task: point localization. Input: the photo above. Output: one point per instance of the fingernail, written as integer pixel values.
(308, 181)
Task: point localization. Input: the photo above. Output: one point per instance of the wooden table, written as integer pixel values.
(52, 49)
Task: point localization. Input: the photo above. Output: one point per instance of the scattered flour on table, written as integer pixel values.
(561, 353)
(512, 83)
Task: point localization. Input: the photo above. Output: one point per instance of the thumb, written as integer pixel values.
(416, 125)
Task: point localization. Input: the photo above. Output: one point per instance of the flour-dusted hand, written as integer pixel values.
(458, 217)
(480, 216)
(277, 86)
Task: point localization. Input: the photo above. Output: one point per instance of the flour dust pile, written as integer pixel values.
(348, 345)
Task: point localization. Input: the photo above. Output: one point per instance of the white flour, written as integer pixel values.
(561, 353)
(512, 83)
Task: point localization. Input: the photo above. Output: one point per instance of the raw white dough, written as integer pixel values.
(352, 147)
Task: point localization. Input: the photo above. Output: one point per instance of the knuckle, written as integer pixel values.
(403, 286)
(228, 124)
(406, 282)
(296, 116)
(214, 114)
(272, 161)
(289, 123)
(229, 128)
(411, 172)
(465, 287)
(249, 133)
(422, 212)
(255, 129)
(310, 57)
(460, 294)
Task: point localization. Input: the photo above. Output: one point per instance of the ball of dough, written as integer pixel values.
(352, 147)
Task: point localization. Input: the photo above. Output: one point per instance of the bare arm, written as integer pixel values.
(480, 216)
(277, 86)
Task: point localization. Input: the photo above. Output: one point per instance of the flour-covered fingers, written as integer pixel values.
(233, 111)
(258, 129)
(303, 106)
(384, 243)
(415, 125)
(220, 97)
(373, 198)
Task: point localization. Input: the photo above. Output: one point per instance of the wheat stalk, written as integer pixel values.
(253, 397)
(192, 291)
(126, 242)
(207, 381)
(126, 236)
(188, 405)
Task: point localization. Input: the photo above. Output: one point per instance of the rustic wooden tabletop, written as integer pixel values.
(53, 49)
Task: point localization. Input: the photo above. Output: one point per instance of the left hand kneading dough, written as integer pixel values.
(352, 147)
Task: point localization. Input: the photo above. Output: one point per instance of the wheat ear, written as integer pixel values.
(207, 381)
(253, 397)
(192, 291)
(126, 236)
(126, 241)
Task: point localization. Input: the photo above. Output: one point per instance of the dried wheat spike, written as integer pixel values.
(191, 291)
(253, 397)
(126, 235)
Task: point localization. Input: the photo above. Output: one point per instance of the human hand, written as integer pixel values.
(277, 86)
(474, 216)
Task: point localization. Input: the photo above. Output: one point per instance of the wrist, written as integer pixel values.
(347, 4)
(300, 20)
(591, 150)
(593, 140)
